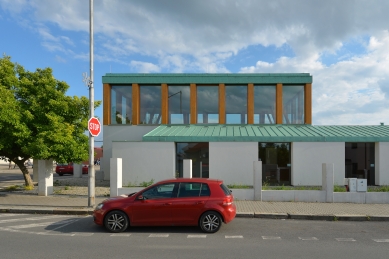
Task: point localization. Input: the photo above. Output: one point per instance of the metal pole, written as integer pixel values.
(91, 182)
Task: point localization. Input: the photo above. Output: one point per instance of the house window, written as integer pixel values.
(275, 159)
(150, 104)
(199, 153)
(179, 104)
(293, 104)
(207, 104)
(264, 104)
(121, 104)
(236, 104)
(360, 161)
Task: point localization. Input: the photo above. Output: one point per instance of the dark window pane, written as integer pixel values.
(199, 153)
(150, 104)
(207, 104)
(264, 104)
(236, 104)
(179, 104)
(293, 104)
(360, 161)
(159, 192)
(121, 104)
(275, 159)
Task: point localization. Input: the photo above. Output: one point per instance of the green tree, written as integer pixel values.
(38, 120)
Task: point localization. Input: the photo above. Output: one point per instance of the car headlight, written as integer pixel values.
(99, 206)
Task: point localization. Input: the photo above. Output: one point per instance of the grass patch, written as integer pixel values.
(142, 184)
(239, 186)
(12, 188)
(291, 188)
(29, 187)
(383, 188)
(339, 188)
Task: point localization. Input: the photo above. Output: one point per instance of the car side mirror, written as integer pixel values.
(140, 197)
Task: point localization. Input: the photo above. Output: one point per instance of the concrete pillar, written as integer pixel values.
(257, 168)
(35, 172)
(381, 163)
(45, 181)
(187, 168)
(77, 170)
(116, 176)
(328, 181)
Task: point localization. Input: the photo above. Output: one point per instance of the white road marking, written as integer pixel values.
(271, 237)
(34, 218)
(159, 235)
(308, 238)
(45, 224)
(10, 214)
(346, 239)
(381, 240)
(83, 234)
(120, 235)
(233, 236)
(197, 236)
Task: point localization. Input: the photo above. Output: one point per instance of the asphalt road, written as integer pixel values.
(63, 236)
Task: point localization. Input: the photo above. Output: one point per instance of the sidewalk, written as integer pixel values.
(63, 204)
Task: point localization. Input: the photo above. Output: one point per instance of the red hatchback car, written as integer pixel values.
(67, 168)
(178, 202)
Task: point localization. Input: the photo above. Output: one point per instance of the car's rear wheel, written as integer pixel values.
(116, 221)
(60, 174)
(210, 222)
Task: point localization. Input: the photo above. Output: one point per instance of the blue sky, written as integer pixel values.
(343, 44)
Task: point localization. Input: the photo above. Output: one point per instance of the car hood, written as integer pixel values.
(121, 197)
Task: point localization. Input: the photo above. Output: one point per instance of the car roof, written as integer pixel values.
(191, 180)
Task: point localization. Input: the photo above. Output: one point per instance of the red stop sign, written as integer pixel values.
(94, 127)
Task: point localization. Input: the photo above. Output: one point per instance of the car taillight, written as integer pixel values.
(227, 201)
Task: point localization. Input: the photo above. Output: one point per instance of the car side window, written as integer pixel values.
(189, 190)
(160, 191)
(205, 190)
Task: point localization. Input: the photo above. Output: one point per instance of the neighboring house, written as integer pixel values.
(224, 122)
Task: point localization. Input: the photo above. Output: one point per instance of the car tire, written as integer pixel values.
(210, 222)
(116, 221)
(60, 174)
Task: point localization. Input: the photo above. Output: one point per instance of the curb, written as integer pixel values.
(48, 211)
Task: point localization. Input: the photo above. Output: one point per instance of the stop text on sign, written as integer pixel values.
(94, 127)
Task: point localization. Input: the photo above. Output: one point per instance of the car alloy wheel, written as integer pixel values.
(210, 222)
(116, 221)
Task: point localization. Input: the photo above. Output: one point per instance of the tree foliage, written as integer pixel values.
(37, 119)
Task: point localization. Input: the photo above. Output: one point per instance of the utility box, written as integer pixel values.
(361, 185)
(352, 184)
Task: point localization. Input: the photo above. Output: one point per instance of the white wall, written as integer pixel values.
(307, 159)
(382, 163)
(143, 161)
(232, 161)
(120, 133)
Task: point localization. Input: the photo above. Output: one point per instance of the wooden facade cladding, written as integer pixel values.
(193, 104)
(135, 104)
(279, 104)
(250, 104)
(164, 104)
(106, 104)
(308, 103)
(222, 104)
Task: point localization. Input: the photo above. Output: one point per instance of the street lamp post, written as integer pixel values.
(89, 82)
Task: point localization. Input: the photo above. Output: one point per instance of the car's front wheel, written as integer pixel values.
(116, 221)
(210, 222)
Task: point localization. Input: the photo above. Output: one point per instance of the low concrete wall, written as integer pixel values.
(377, 197)
(243, 194)
(291, 195)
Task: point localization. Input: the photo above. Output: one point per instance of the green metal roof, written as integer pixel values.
(267, 133)
(284, 78)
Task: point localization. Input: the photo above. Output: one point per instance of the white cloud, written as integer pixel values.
(144, 67)
(200, 36)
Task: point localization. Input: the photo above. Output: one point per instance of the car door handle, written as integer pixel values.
(200, 202)
(168, 203)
